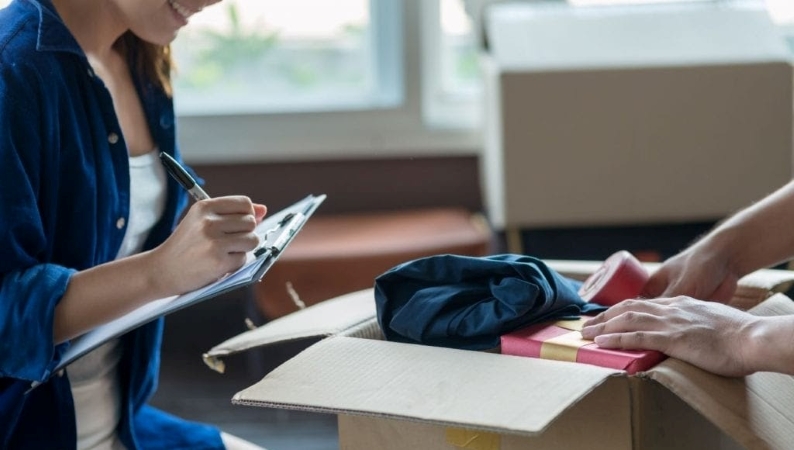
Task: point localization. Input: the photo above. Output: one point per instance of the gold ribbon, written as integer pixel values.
(573, 325)
(566, 346)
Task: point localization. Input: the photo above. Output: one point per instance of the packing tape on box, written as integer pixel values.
(564, 347)
(472, 439)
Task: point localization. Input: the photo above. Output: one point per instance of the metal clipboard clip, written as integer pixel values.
(289, 225)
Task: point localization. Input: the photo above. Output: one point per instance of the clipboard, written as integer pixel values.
(275, 234)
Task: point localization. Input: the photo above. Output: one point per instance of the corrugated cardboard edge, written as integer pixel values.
(755, 410)
(429, 384)
(348, 315)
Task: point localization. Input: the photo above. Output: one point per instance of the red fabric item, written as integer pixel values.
(621, 277)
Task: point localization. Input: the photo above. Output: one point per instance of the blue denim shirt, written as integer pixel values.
(64, 190)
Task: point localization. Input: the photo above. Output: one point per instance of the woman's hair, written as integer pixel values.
(150, 61)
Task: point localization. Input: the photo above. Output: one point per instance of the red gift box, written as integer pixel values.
(562, 341)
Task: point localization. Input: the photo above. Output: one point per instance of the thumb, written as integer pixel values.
(724, 292)
(655, 286)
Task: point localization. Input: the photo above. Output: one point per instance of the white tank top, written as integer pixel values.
(94, 377)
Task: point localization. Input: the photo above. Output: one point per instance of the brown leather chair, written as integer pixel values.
(337, 254)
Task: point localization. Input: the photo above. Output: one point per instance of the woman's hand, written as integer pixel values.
(710, 335)
(210, 241)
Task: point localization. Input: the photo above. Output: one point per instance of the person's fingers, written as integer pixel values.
(236, 223)
(240, 243)
(231, 204)
(627, 321)
(636, 340)
(615, 311)
(229, 252)
(259, 212)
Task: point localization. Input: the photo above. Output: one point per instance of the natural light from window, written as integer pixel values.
(261, 56)
(782, 11)
(460, 73)
(266, 55)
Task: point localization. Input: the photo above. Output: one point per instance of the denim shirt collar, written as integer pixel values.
(53, 34)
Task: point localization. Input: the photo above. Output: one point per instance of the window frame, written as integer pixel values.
(394, 130)
(443, 109)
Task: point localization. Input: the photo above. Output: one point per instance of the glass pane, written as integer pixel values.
(264, 55)
(460, 74)
(631, 2)
(782, 11)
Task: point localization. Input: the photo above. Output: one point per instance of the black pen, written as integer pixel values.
(182, 177)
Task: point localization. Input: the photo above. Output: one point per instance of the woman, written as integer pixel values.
(86, 221)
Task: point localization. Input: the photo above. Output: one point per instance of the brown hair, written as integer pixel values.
(151, 62)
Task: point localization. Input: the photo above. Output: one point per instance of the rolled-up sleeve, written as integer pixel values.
(27, 309)
(29, 288)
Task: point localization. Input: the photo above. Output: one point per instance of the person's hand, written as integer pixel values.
(710, 335)
(210, 241)
(696, 272)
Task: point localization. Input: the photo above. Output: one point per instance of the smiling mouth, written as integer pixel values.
(183, 11)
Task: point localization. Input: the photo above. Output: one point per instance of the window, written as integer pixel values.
(451, 66)
(297, 79)
(254, 56)
(460, 73)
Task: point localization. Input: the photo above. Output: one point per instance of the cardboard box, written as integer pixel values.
(612, 115)
(562, 341)
(391, 396)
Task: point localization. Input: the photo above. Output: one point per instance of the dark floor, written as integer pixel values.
(192, 391)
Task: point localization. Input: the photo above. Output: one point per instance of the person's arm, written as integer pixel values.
(211, 240)
(771, 345)
(757, 237)
(710, 335)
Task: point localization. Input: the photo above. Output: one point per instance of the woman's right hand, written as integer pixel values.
(210, 241)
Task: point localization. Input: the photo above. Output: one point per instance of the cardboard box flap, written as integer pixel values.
(755, 410)
(441, 386)
(350, 315)
(753, 288)
(759, 285)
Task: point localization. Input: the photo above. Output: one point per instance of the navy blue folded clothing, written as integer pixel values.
(468, 302)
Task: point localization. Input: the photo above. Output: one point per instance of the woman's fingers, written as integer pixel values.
(229, 215)
(259, 212)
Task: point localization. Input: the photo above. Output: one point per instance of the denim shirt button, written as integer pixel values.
(120, 223)
(113, 138)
